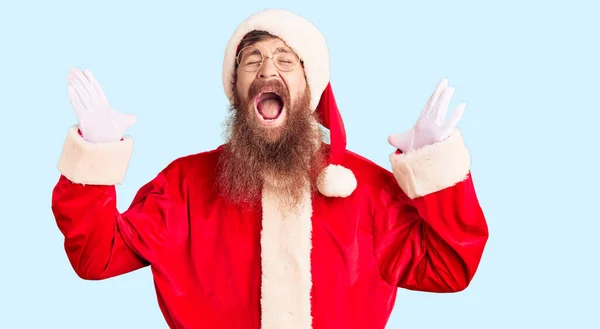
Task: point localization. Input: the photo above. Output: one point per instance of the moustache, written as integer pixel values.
(275, 86)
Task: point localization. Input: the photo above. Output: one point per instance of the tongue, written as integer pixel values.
(269, 108)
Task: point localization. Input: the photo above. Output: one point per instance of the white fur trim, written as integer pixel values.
(298, 33)
(433, 167)
(286, 267)
(94, 164)
(336, 181)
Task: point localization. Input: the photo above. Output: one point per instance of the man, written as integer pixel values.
(274, 228)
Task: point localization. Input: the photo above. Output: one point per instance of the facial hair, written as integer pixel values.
(287, 158)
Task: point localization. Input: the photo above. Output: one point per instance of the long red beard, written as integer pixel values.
(287, 158)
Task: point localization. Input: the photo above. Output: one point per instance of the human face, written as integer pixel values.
(268, 78)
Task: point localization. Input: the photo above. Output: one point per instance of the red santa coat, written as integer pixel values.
(337, 263)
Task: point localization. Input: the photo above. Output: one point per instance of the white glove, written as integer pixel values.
(431, 127)
(98, 121)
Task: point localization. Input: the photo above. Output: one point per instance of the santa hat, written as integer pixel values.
(309, 42)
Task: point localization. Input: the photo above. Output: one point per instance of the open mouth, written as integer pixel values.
(269, 107)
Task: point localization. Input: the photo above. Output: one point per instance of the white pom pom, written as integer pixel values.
(336, 181)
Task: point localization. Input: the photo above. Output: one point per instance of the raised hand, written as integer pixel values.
(432, 126)
(98, 121)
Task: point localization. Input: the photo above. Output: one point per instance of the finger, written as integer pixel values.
(95, 84)
(79, 75)
(433, 99)
(78, 107)
(123, 120)
(128, 120)
(84, 95)
(85, 82)
(402, 141)
(442, 110)
(441, 107)
(443, 84)
(453, 122)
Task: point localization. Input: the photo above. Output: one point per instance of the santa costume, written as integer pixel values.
(336, 263)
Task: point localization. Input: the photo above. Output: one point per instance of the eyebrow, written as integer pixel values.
(255, 51)
(284, 49)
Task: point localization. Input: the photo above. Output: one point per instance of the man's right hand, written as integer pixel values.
(98, 121)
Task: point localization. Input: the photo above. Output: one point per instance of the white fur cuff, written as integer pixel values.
(94, 164)
(433, 167)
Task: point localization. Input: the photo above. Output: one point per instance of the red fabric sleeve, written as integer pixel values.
(432, 243)
(99, 241)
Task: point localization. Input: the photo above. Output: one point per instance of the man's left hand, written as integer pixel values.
(432, 126)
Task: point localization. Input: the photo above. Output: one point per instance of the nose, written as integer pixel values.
(268, 69)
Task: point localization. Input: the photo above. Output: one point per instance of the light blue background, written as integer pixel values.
(528, 71)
